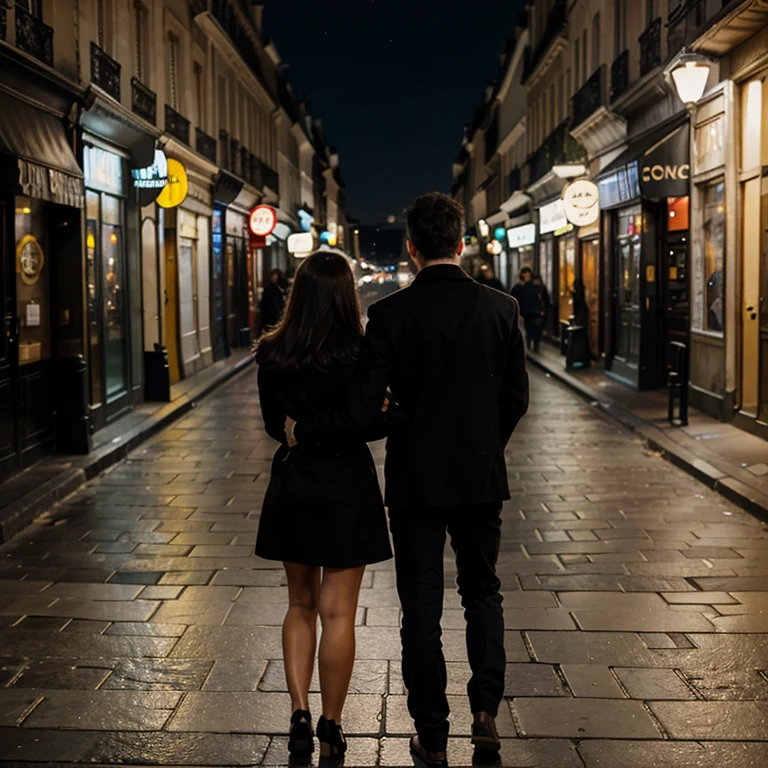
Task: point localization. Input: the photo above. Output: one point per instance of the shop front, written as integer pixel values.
(521, 241)
(41, 341)
(644, 199)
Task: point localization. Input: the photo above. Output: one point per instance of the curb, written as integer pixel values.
(19, 514)
(733, 489)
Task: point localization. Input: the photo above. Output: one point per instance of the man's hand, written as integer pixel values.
(290, 425)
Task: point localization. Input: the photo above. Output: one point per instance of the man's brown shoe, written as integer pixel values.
(424, 759)
(485, 737)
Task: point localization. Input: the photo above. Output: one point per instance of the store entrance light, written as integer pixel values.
(689, 73)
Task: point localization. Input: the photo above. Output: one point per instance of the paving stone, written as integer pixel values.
(236, 675)
(713, 720)
(609, 648)
(532, 680)
(29, 745)
(666, 754)
(110, 591)
(640, 620)
(654, 684)
(592, 681)
(103, 710)
(113, 610)
(186, 578)
(200, 642)
(200, 613)
(16, 704)
(76, 674)
(159, 675)
(699, 598)
(236, 712)
(160, 593)
(146, 628)
(584, 718)
(571, 582)
(127, 577)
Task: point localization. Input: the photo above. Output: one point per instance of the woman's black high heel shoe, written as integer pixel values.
(333, 745)
(300, 741)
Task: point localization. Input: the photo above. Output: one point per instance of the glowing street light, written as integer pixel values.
(689, 72)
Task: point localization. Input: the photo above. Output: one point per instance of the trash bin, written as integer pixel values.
(157, 376)
(71, 409)
(577, 352)
(244, 338)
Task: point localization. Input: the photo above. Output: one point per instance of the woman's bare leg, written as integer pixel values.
(300, 631)
(339, 593)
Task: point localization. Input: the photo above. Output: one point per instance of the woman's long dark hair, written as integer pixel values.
(321, 325)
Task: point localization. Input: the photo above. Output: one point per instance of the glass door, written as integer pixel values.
(628, 250)
(590, 276)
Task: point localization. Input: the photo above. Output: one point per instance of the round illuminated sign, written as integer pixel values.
(154, 176)
(263, 220)
(29, 259)
(581, 201)
(175, 191)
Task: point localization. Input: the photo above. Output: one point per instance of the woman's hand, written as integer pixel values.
(290, 437)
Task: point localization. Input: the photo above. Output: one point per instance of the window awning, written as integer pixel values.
(35, 157)
(656, 164)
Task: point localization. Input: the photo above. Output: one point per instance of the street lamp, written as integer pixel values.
(689, 73)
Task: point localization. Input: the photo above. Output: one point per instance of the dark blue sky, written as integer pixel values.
(394, 81)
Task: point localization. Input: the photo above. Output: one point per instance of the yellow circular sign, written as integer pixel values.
(175, 191)
(29, 259)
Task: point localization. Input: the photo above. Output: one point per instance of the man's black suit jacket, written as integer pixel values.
(451, 351)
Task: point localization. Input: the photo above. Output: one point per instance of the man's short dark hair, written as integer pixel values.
(526, 271)
(436, 226)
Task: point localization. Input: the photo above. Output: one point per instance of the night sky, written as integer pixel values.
(395, 82)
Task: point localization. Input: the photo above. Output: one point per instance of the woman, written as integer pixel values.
(323, 509)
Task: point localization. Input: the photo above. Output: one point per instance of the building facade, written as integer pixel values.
(135, 139)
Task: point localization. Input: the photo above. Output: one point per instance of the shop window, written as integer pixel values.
(199, 81)
(709, 147)
(32, 281)
(628, 249)
(173, 71)
(677, 213)
(713, 289)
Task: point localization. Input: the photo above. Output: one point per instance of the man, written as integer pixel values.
(272, 300)
(489, 279)
(528, 296)
(452, 353)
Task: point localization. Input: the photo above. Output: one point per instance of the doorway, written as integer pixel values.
(171, 330)
(590, 276)
(9, 455)
(675, 297)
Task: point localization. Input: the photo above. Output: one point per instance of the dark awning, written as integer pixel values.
(36, 158)
(656, 164)
(227, 187)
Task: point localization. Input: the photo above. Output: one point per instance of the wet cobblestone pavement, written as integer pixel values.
(137, 627)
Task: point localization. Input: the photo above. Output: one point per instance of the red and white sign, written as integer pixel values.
(263, 220)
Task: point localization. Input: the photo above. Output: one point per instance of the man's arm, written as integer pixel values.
(514, 386)
(366, 394)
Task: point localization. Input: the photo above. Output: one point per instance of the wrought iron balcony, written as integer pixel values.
(143, 101)
(176, 125)
(234, 157)
(3, 21)
(256, 177)
(270, 178)
(245, 165)
(34, 37)
(589, 97)
(620, 75)
(559, 148)
(224, 151)
(105, 71)
(650, 47)
(205, 145)
(242, 37)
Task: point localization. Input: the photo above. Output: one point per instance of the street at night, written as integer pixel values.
(384, 383)
(136, 620)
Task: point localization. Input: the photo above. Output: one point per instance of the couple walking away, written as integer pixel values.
(441, 372)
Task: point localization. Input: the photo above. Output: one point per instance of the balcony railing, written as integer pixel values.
(246, 170)
(176, 125)
(650, 47)
(205, 145)
(34, 37)
(224, 151)
(256, 177)
(559, 148)
(556, 20)
(105, 71)
(620, 75)
(589, 97)
(270, 178)
(238, 33)
(3, 21)
(143, 101)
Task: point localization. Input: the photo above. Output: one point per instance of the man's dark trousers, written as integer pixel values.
(419, 539)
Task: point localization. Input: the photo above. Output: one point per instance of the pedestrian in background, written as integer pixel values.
(452, 352)
(528, 296)
(323, 514)
(273, 300)
(487, 277)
